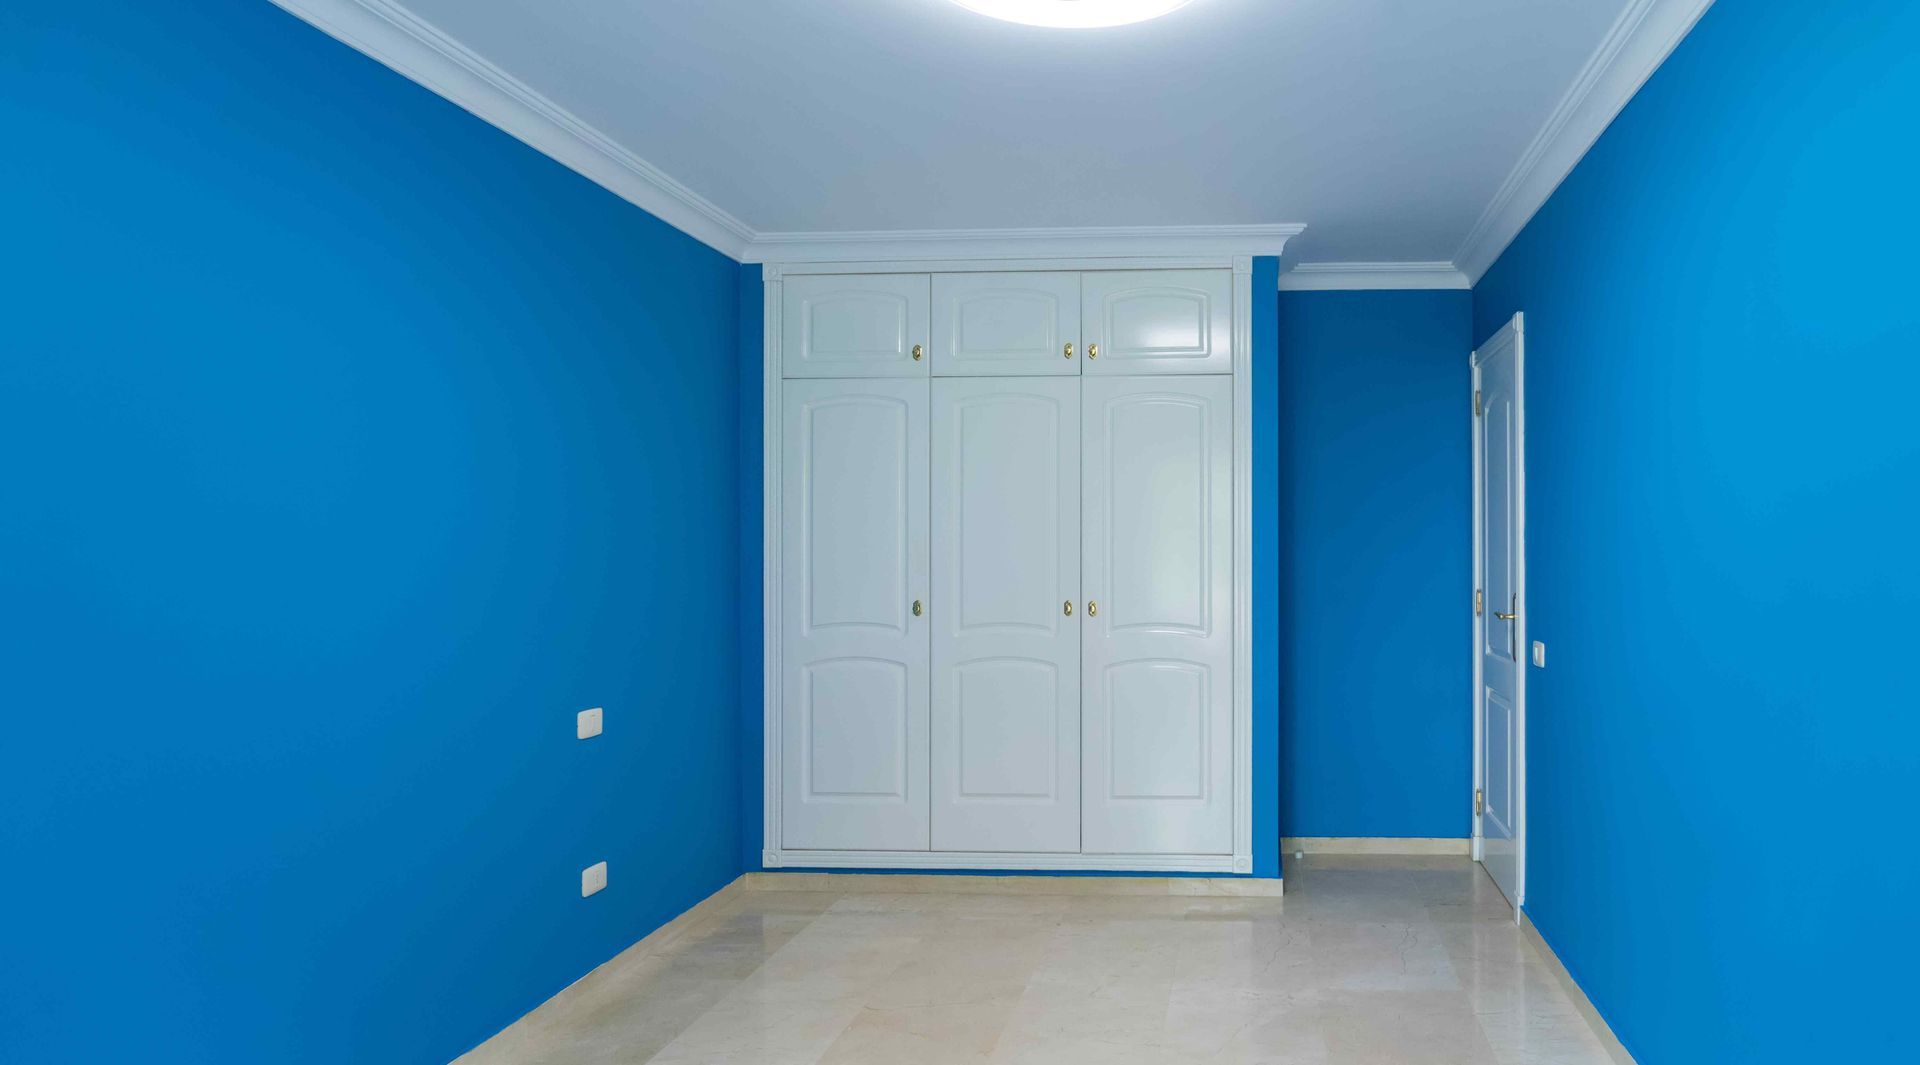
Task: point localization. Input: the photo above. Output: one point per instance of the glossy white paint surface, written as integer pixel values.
(1502, 666)
(855, 325)
(1006, 654)
(855, 658)
(1157, 711)
(1158, 321)
(1002, 324)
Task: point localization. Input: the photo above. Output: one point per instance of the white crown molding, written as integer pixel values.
(394, 36)
(1640, 40)
(1092, 242)
(1337, 277)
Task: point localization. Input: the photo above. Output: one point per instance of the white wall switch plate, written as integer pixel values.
(1539, 654)
(587, 723)
(593, 878)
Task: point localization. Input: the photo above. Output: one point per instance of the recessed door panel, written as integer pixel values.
(854, 325)
(1158, 730)
(1006, 324)
(1157, 716)
(1006, 648)
(854, 734)
(1007, 741)
(1157, 321)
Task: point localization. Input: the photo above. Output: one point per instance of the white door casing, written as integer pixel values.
(1157, 639)
(855, 325)
(1157, 321)
(854, 552)
(1006, 636)
(1006, 324)
(1500, 636)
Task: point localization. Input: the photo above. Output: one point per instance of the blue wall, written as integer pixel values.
(350, 448)
(1266, 728)
(1376, 541)
(1723, 367)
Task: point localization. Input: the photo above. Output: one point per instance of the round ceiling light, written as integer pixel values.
(1074, 14)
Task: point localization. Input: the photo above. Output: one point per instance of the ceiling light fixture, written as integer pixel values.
(1074, 14)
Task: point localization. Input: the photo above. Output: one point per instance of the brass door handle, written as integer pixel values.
(1069, 351)
(1093, 608)
(1093, 351)
(917, 352)
(1067, 608)
(916, 608)
(1504, 617)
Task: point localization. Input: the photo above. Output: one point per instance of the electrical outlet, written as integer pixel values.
(1539, 655)
(593, 878)
(586, 724)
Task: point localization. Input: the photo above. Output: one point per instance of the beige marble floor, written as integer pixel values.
(1367, 959)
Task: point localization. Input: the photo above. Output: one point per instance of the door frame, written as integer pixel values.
(1481, 612)
(773, 855)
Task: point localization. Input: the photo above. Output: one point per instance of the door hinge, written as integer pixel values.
(1479, 802)
(1479, 602)
(1477, 410)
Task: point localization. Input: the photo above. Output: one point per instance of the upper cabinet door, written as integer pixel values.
(1006, 324)
(1158, 321)
(854, 325)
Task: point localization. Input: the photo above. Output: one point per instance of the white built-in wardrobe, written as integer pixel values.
(1004, 523)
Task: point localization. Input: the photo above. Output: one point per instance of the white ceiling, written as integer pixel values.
(1387, 127)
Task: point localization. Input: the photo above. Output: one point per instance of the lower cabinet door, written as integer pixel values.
(1157, 637)
(1006, 619)
(854, 604)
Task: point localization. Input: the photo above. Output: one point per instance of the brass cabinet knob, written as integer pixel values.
(1069, 351)
(1093, 351)
(1093, 608)
(916, 608)
(917, 352)
(1067, 608)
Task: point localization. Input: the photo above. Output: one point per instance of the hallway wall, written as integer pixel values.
(1375, 536)
(1724, 498)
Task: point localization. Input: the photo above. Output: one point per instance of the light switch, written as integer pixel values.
(1539, 655)
(593, 878)
(587, 723)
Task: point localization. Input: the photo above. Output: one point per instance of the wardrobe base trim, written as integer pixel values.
(998, 860)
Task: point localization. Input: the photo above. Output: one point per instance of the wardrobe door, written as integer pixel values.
(1157, 636)
(853, 599)
(1006, 624)
(853, 325)
(1006, 324)
(1157, 321)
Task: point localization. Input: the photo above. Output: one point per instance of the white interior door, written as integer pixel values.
(1157, 636)
(1006, 324)
(1157, 321)
(1500, 627)
(854, 325)
(1006, 631)
(854, 595)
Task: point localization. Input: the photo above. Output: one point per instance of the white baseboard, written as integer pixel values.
(1601, 1029)
(1409, 845)
(920, 883)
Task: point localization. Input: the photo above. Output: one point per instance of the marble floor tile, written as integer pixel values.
(1367, 960)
